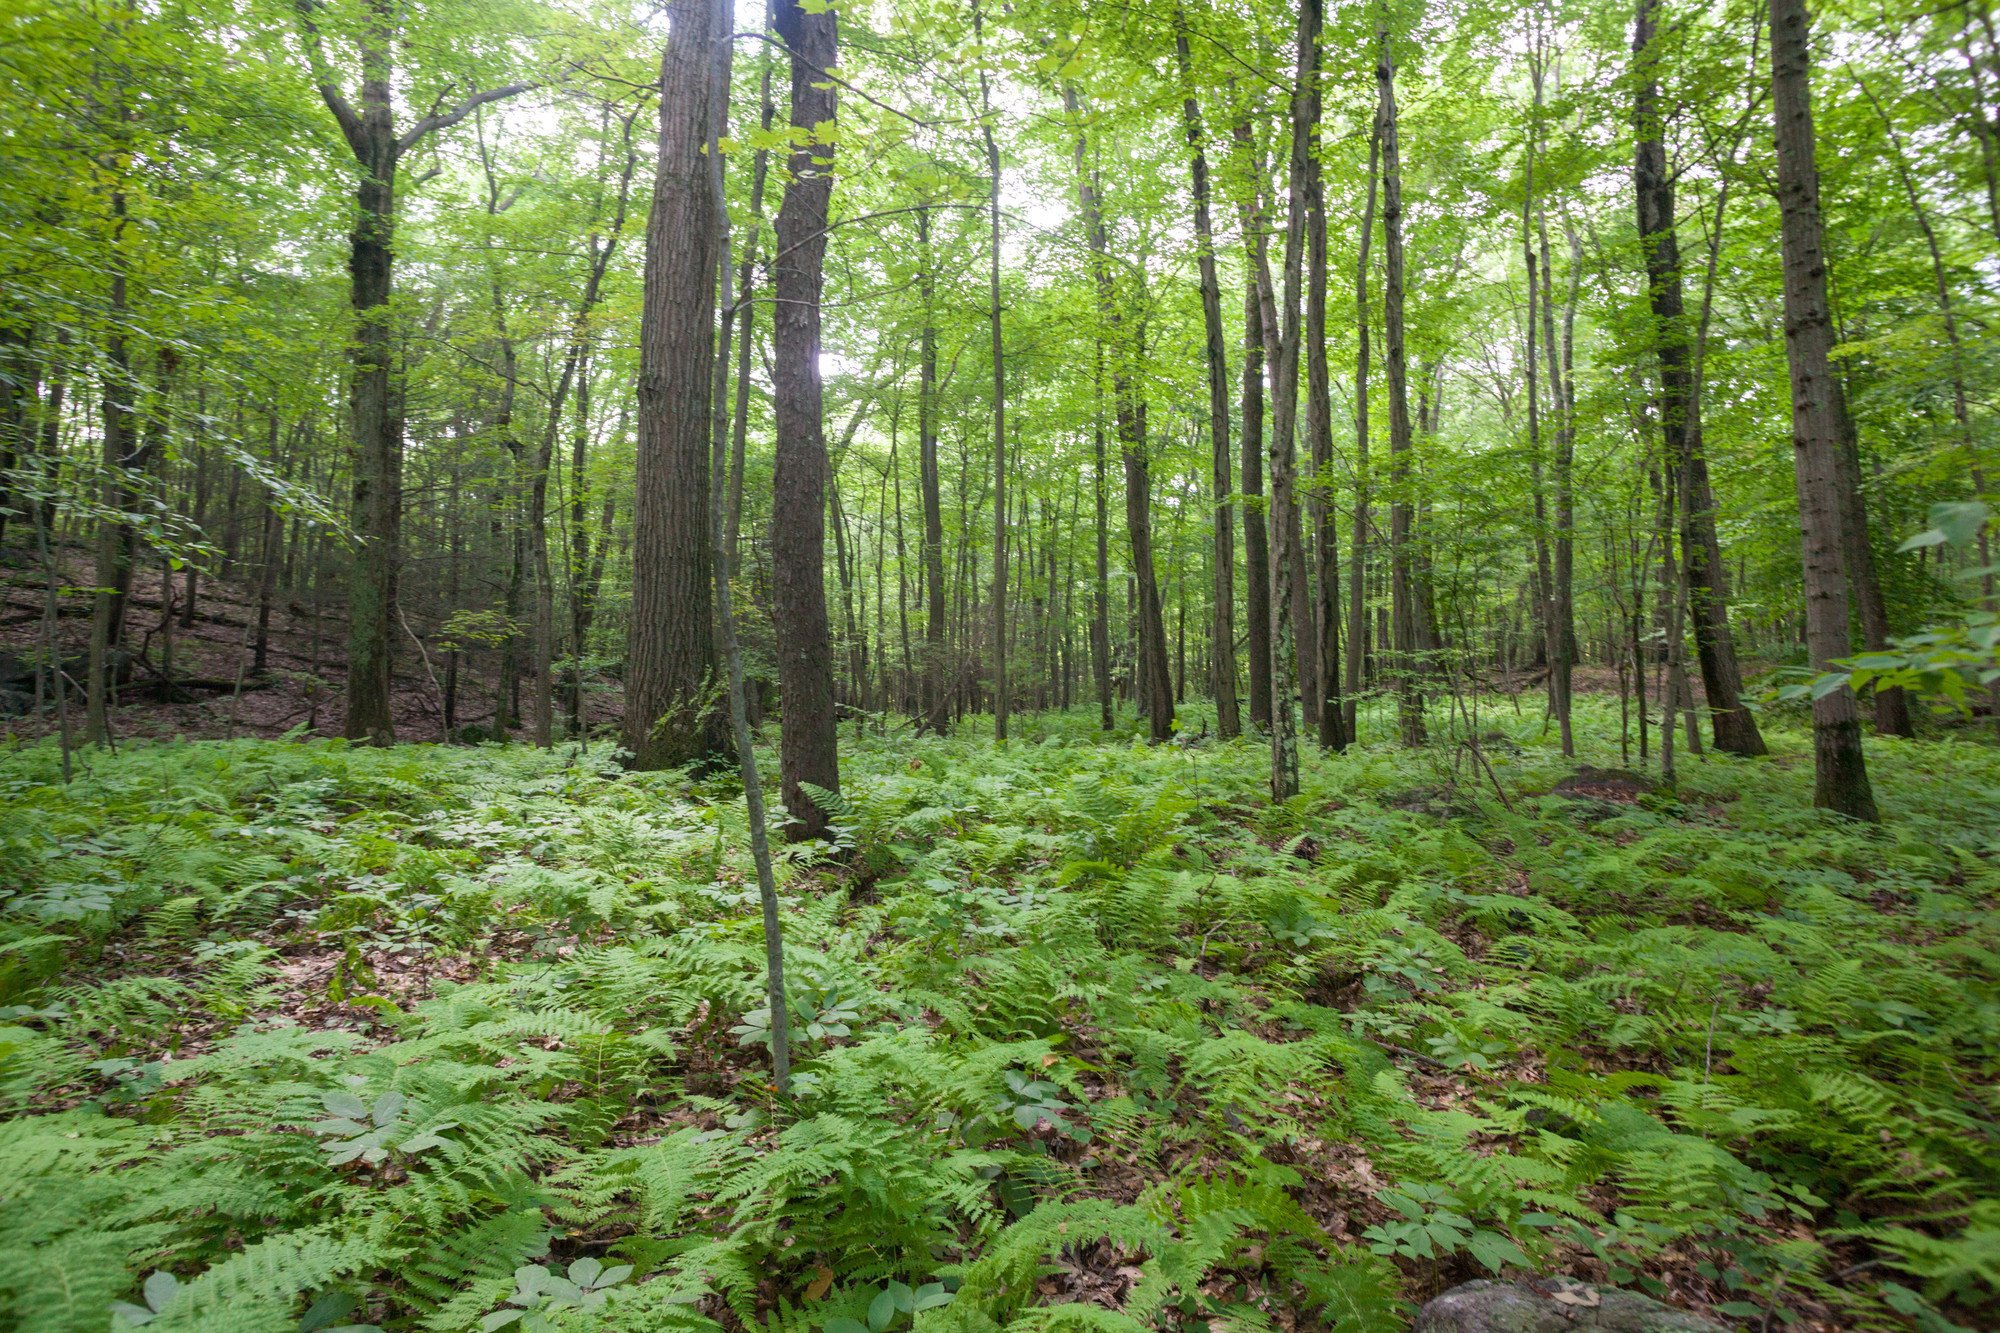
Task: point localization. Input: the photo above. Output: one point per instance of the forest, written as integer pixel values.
(1074, 666)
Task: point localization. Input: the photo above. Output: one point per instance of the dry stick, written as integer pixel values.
(739, 716)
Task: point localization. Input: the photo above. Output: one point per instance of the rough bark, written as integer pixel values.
(671, 717)
(1324, 624)
(1357, 571)
(807, 746)
(1222, 625)
(376, 503)
(1000, 691)
(937, 698)
(1732, 725)
(1840, 767)
(1402, 599)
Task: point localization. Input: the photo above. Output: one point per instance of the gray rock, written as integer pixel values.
(1553, 1305)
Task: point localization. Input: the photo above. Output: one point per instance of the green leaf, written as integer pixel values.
(881, 1311)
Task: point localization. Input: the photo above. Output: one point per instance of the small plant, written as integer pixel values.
(887, 1306)
(585, 1285)
(1031, 1103)
(158, 1293)
(1433, 1225)
(359, 1132)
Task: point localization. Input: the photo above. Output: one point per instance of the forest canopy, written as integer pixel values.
(1371, 629)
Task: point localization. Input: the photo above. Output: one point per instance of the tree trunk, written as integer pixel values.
(1324, 624)
(1222, 625)
(1287, 563)
(1732, 725)
(1129, 410)
(1000, 695)
(671, 718)
(1840, 768)
(798, 508)
(1256, 537)
(937, 695)
(1357, 573)
(1402, 598)
(1100, 620)
(377, 451)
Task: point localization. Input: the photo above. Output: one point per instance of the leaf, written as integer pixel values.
(820, 1285)
(160, 1289)
(345, 1104)
(387, 1107)
(1959, 521)
(842, 1324)
(881, 1311)
(901, 1294)
(585, 1272)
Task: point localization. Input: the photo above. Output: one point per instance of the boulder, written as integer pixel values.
(1554, 1305)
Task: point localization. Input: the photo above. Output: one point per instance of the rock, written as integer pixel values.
(1553, 1305)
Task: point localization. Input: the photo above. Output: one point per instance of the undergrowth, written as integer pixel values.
(300, 1037)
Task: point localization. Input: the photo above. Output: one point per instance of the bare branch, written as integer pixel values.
(459, 112)
(329, 91)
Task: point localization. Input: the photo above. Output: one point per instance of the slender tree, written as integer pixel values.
(370, 132)
(1733, 726)
(1840, 768)
(1222, 633)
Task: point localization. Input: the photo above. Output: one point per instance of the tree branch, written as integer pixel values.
(459, 112)
(322, 75)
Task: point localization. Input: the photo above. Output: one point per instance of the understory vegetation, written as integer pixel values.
(1090, 1035)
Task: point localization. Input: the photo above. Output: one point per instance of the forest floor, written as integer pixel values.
(1091, 1037)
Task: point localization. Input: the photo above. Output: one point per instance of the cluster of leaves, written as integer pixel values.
(305, 1036)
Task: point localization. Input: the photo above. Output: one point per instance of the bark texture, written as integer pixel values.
(1840, 768)
(672, 704)
(807, 752)
(1731, 723)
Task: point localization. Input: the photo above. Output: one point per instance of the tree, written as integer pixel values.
(798, 508)
(370, 132)
(1732, 725)
(672, 713)
(1222, 638)
(1839, 766)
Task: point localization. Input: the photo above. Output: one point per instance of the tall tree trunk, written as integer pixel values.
(1000, 693)
(937, 694)
(1256, 539)
(378, 445)
(125, 455)
(1402, 594)
(1562, 591)
(1287, 563)
(1324, 623)
(671, 716)
(1222, 624)
(1100, 619)
(1840, 768)
(370, 266)
(807, 748)
(1732, 725)
(1857, 558)
(1357, 573)
(1129, 410)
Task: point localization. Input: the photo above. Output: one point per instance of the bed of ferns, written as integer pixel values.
(305, 1037)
